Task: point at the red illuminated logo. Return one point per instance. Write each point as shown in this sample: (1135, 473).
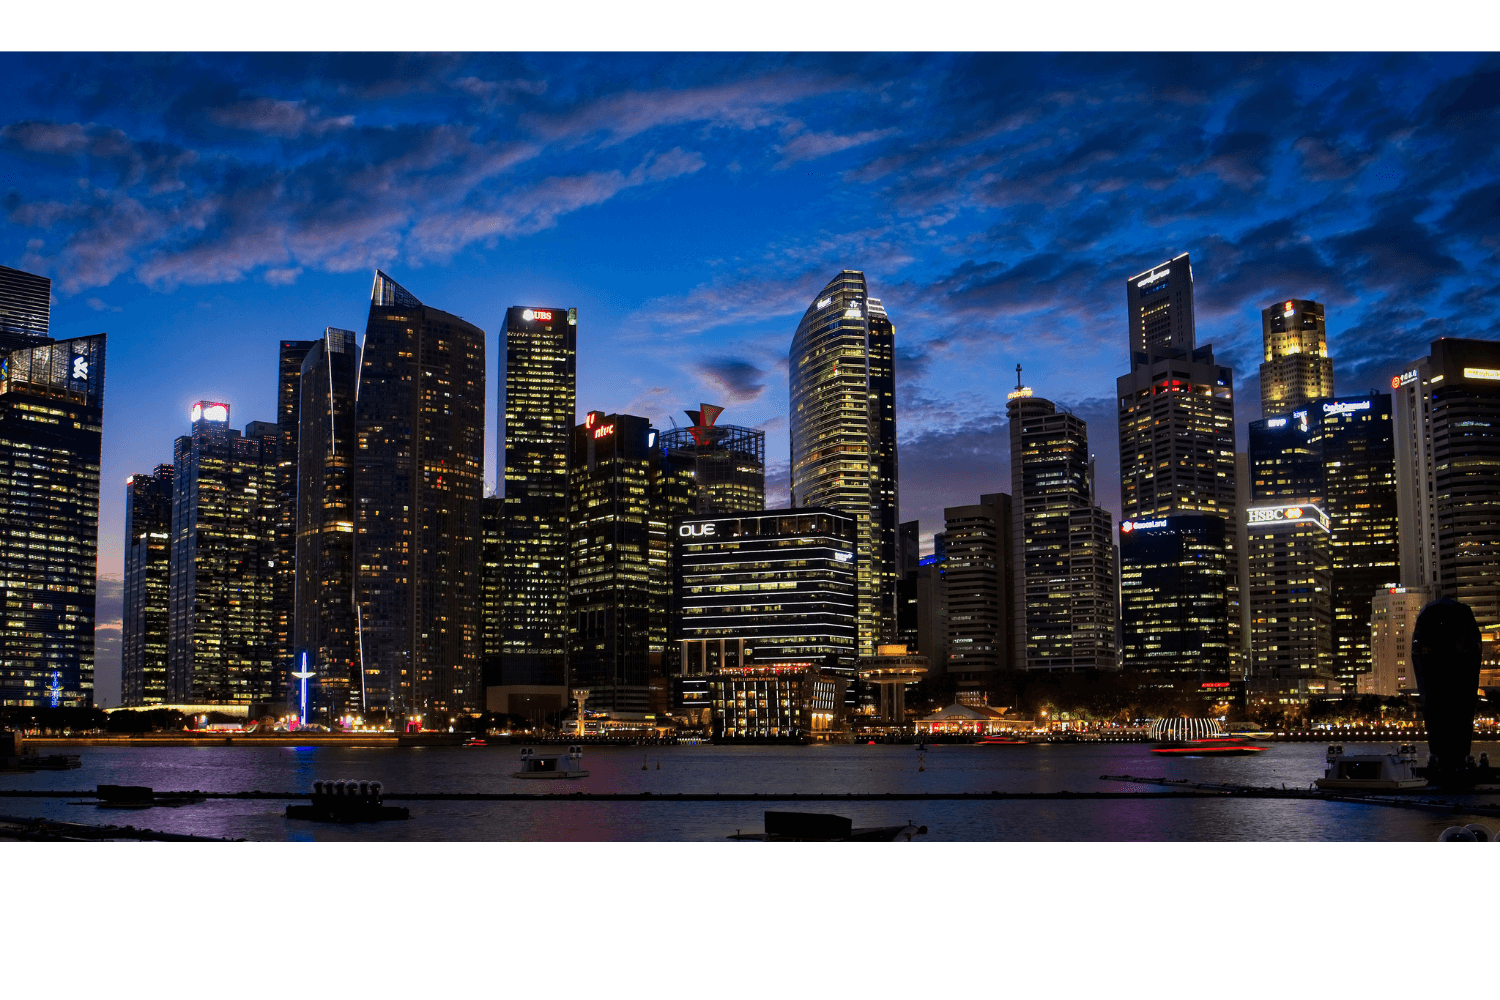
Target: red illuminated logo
(1395, 381)
(604, 431)
(588, 421)
(1293, 513)
(1288, 307)
(541, 315)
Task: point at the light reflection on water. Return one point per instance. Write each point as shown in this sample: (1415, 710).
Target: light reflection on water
(836, 769)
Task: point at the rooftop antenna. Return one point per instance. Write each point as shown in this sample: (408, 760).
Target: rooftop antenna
(1018, 376)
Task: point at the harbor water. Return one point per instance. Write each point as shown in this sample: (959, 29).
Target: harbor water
(710, 769)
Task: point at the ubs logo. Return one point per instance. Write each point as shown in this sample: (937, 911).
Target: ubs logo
(696, 530)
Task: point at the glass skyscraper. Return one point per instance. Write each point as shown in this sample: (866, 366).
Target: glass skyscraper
(25, 309)
(325, 623)
(51, 420)
(418, 485)
(148, 549)
(541, 365)
(220, 640)
(843, 434)
(1296, 369)
(726, 463)
(284, 572)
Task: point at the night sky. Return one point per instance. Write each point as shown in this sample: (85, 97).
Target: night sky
(201, 208)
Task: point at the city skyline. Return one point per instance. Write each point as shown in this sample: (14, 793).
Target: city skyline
(991, 244)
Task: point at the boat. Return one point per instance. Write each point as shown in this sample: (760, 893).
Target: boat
(1377, 772)
(551, 765)
(1209, 746)
(1001, 741)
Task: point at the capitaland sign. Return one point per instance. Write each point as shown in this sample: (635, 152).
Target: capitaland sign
(698, 530)
(1488, 374)
(1331, 408)
(1289, 514)
(1129, 526)
(1153, 276)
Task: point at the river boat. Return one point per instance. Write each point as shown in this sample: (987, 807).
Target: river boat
(1374, 772)
(551, 765)
(1209, 746)
(1001, 741)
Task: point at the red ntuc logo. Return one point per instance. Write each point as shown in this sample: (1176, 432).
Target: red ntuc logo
(604, 431)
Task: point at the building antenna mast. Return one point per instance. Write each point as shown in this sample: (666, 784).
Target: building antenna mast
(1018, 376)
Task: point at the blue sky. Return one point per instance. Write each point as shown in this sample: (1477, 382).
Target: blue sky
(201, 208)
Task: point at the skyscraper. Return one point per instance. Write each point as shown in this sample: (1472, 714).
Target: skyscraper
(1291, 585)
(727, 463)
(1448, 473)
(25, 309)
(979, 574)
(418, 483)
(148, 549)
(610, 568)
(1296, 369)
(1173, 578)
(540, 402)
(1063, 548)
(1176, 410)
(51, 419)
(219, 625)
(284, 572)
(491, 611)
(843, 433)
(325, 624)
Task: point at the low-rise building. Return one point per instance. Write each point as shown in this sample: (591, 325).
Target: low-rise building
(975, 720)
(777, 701)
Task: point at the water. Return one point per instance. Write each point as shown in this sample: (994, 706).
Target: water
(829, 769)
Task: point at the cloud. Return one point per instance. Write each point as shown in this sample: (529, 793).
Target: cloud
(493, 92)
(736, 378)
(284, 119)
(812, 145)
(282, 275)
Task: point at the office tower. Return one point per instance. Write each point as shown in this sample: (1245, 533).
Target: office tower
(1176, 409)
(932, 612)
(609, 571)
(540, 401)
(1393, 615)
(418, 482)
(492, 522)
(1160, 306)
(51, 418)
(284, 573)
(219, 621)
(1286, 461)
(1062, 547)
(25, 309)
(1296, 369)
(1448, 473)
(325, 628)
(768, 586)
(1291, 584)
(843, 433)
(1174, 574)
(148, 549)
(978, 573)
(908, 548)
(908, 561)
(1356, 442)
(727, 463)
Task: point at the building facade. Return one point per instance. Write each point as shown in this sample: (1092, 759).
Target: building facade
(774, 585)
(843, 433)
(148, 549)
(51, 421)
(1174, 573)
(220, 639)
(1063, 543)
(1448, 473)
(325, 622)
(1296, 369)
(25, 309)
(541, 365)
(291, 355)
(727, 463)
(979, 572)
(418, 483)
(1291, 610)
(776, 701)
(1393, 616)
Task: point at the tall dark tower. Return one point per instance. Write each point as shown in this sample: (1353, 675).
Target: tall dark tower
(1160, 305)
(284, 572)
(541, 350)
(1296, 369)
(843, 434)
(148, 526)
(325, 625)
(51, 419)
(418, 484)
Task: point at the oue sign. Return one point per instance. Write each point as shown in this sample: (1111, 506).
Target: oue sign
(696, 531)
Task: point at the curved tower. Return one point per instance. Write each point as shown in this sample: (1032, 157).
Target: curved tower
(843, 432)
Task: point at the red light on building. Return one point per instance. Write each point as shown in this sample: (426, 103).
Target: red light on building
(1395, 381)
(604, 431)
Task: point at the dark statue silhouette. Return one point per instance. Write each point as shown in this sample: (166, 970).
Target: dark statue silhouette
(1445, 656)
